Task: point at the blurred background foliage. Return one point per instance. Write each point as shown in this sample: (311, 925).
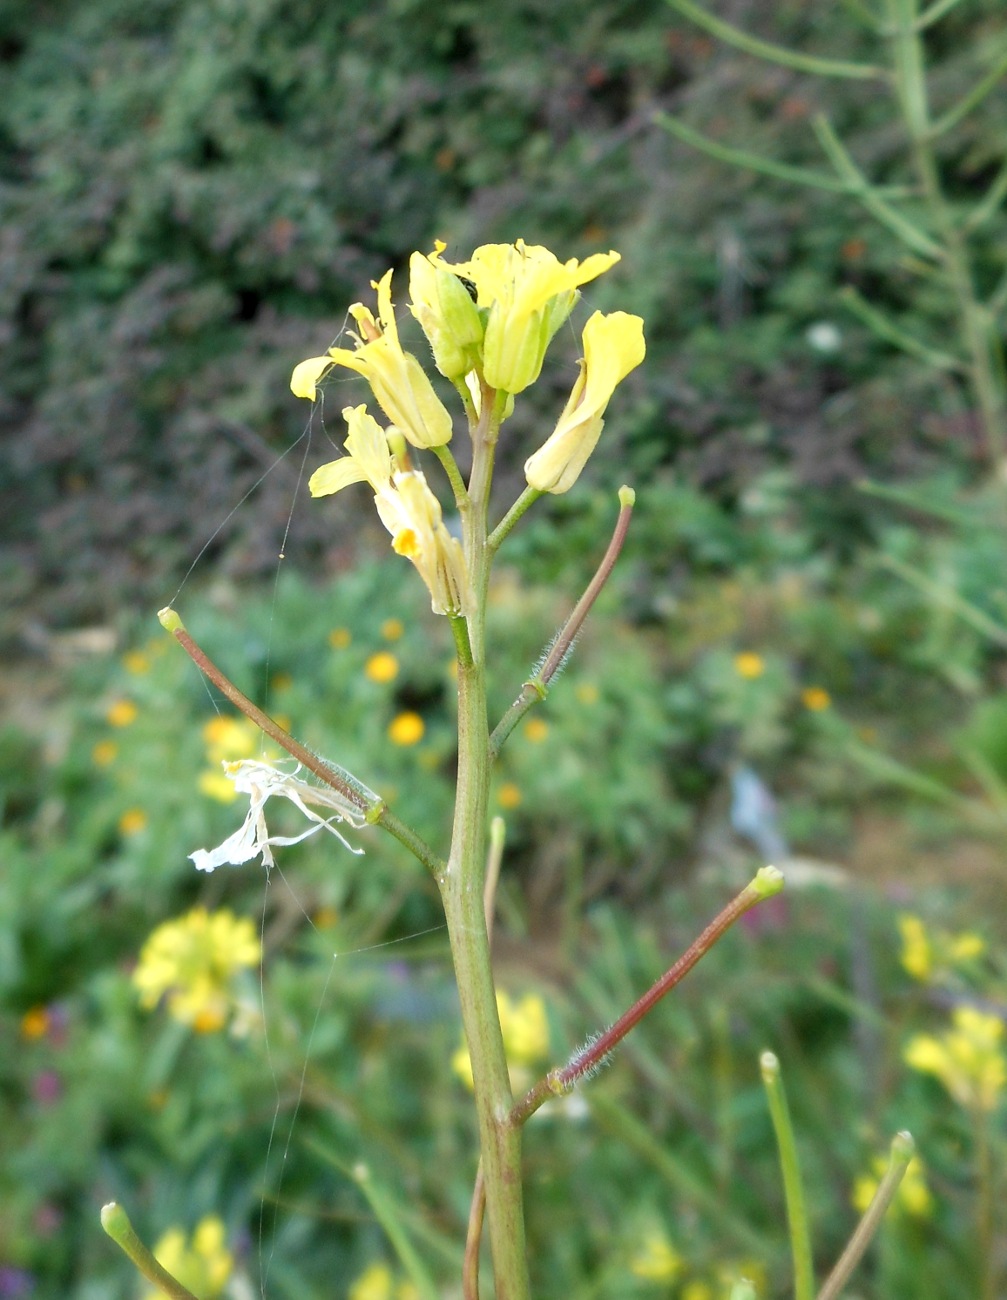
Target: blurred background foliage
(191, 194)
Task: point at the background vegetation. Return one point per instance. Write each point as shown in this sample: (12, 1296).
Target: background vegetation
(191, 195)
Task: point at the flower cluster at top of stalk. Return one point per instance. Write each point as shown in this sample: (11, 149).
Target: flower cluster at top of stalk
(489, 321)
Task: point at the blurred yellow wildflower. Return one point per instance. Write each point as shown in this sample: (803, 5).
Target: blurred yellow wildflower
(656, 1259)
(525, 1030)
(815, 699)
(587, 693)
(536, 730)
(122, 713)
(104, 753)
(509, 795)
(749, 665)
(381, 667)
(392, 629)
(406, 729)
(132, 821)
(930, 956)
(193, 962)
(406, 506)
(697, 1289)
(613, 346)
(340, 638)
(377, 1282)
(968, 1059)
(34, 1023)
(399, 383)
(913, 1197)
(136, 662)
(203, 1267)
(227, 737)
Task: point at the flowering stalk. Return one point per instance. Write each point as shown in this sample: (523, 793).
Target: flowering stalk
(586, 1061)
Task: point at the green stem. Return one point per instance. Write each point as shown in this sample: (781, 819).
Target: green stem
(115, 1221)
(793, 1188)
(527, 498)
(984, 1205)
(780, 54)
(902, 1152)
(462, 891)
(985, 358)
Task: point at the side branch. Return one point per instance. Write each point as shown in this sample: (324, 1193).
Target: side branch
(583, 1063)
(537, 687)
(374, 809)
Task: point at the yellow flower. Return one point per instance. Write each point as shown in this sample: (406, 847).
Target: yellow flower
(203, 1267)
(376, 1282)
(917, 957)
(509, 795)
(122, 713)
(912, 1198)
(217, 785)
(525, 1031)
(613, 346)
(228, 738)
(132, 821)
(815, 699)
(447, 315)
(400, 385)
(656, 1260)
(381, 667)
(193, 962)
(405, 505)
(136, 662)
(340, 638)
(931, 956)
(406, 729)
(968, 1059)
(587, 693)
(536, 730)
(697, 1289)
(104, 753)
(749, 665)
(527, 294)
(393, 629)
(34, 1023)
(525, 1028)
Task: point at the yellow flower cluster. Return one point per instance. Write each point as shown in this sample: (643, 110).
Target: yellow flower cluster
(525, 1030)
(968, 1058)
(202, 1266)
(931, 956)
(193, 962)
(489, 321)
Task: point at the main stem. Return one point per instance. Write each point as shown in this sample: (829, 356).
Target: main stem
(462, 894)
(984, 365)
